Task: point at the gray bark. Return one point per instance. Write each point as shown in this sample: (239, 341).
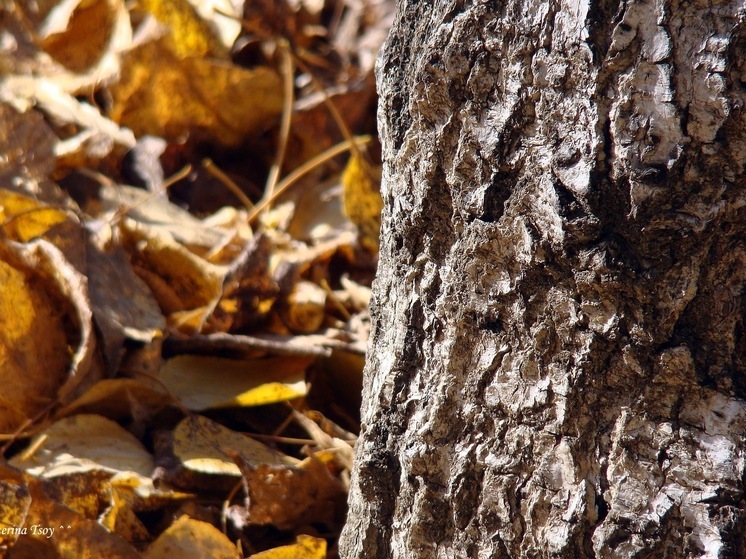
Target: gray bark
(557, 364)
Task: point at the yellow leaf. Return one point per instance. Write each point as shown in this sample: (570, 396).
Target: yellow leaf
(191, 35)
(192, 539)
(305, 308)
(306, 547)
(201, 444)
(163, 94)
(33, 346)
(212, 382)
(24, 218)
(179, 279)
(362, 199)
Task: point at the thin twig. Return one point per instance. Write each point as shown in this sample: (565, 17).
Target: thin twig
(298, 173)
(218, 173)
(287, 70)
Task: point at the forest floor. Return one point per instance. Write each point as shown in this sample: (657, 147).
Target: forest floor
(189, 215)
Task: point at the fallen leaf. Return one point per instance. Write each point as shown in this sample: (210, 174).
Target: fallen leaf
(191, 35)
(84, 443)
(34, 356)
(192, 539)
(179, 279)
(15, 501)
(77, 33)
(362, 199)
(163, 94)
(203, 383)
(43, 261)
(305, 547)
(304, 308)
(123, 306)
(120, 399)
(27, 145)
(292, 496)
(198, 454)
(51, 529)
(24, 218)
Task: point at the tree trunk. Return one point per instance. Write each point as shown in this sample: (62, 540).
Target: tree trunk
(557, 365)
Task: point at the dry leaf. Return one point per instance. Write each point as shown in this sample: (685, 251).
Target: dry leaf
(304, 308)
(211, 382)
(179, 279)
(362, 199)
(199, 454)
(153, 216)
(191, 35)
(76, 33)
(120, 399)
(84, 443)
(120, 518)
(192, 539)
(162, 94)
(41, 293)
(69, 287)
(288, 497)
(27, 145)
(123, 306)
(51, 529)
(15, 501)
(24, 219)
(306, 547)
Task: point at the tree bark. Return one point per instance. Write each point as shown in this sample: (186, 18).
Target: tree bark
(557, 364)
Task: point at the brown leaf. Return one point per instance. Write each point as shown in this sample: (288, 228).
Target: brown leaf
(288, 497)
(27, 143)
(123, 306)
(79, 36)
(51, 529)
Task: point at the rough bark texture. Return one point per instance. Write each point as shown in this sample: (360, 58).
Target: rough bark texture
(557, 365)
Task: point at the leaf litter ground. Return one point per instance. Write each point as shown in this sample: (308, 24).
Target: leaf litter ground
(189, 216)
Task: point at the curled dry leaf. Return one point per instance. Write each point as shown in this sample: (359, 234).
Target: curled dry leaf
(41, 293)
(123, 306)
(80, 35)
(305, 308)
(149, 216)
